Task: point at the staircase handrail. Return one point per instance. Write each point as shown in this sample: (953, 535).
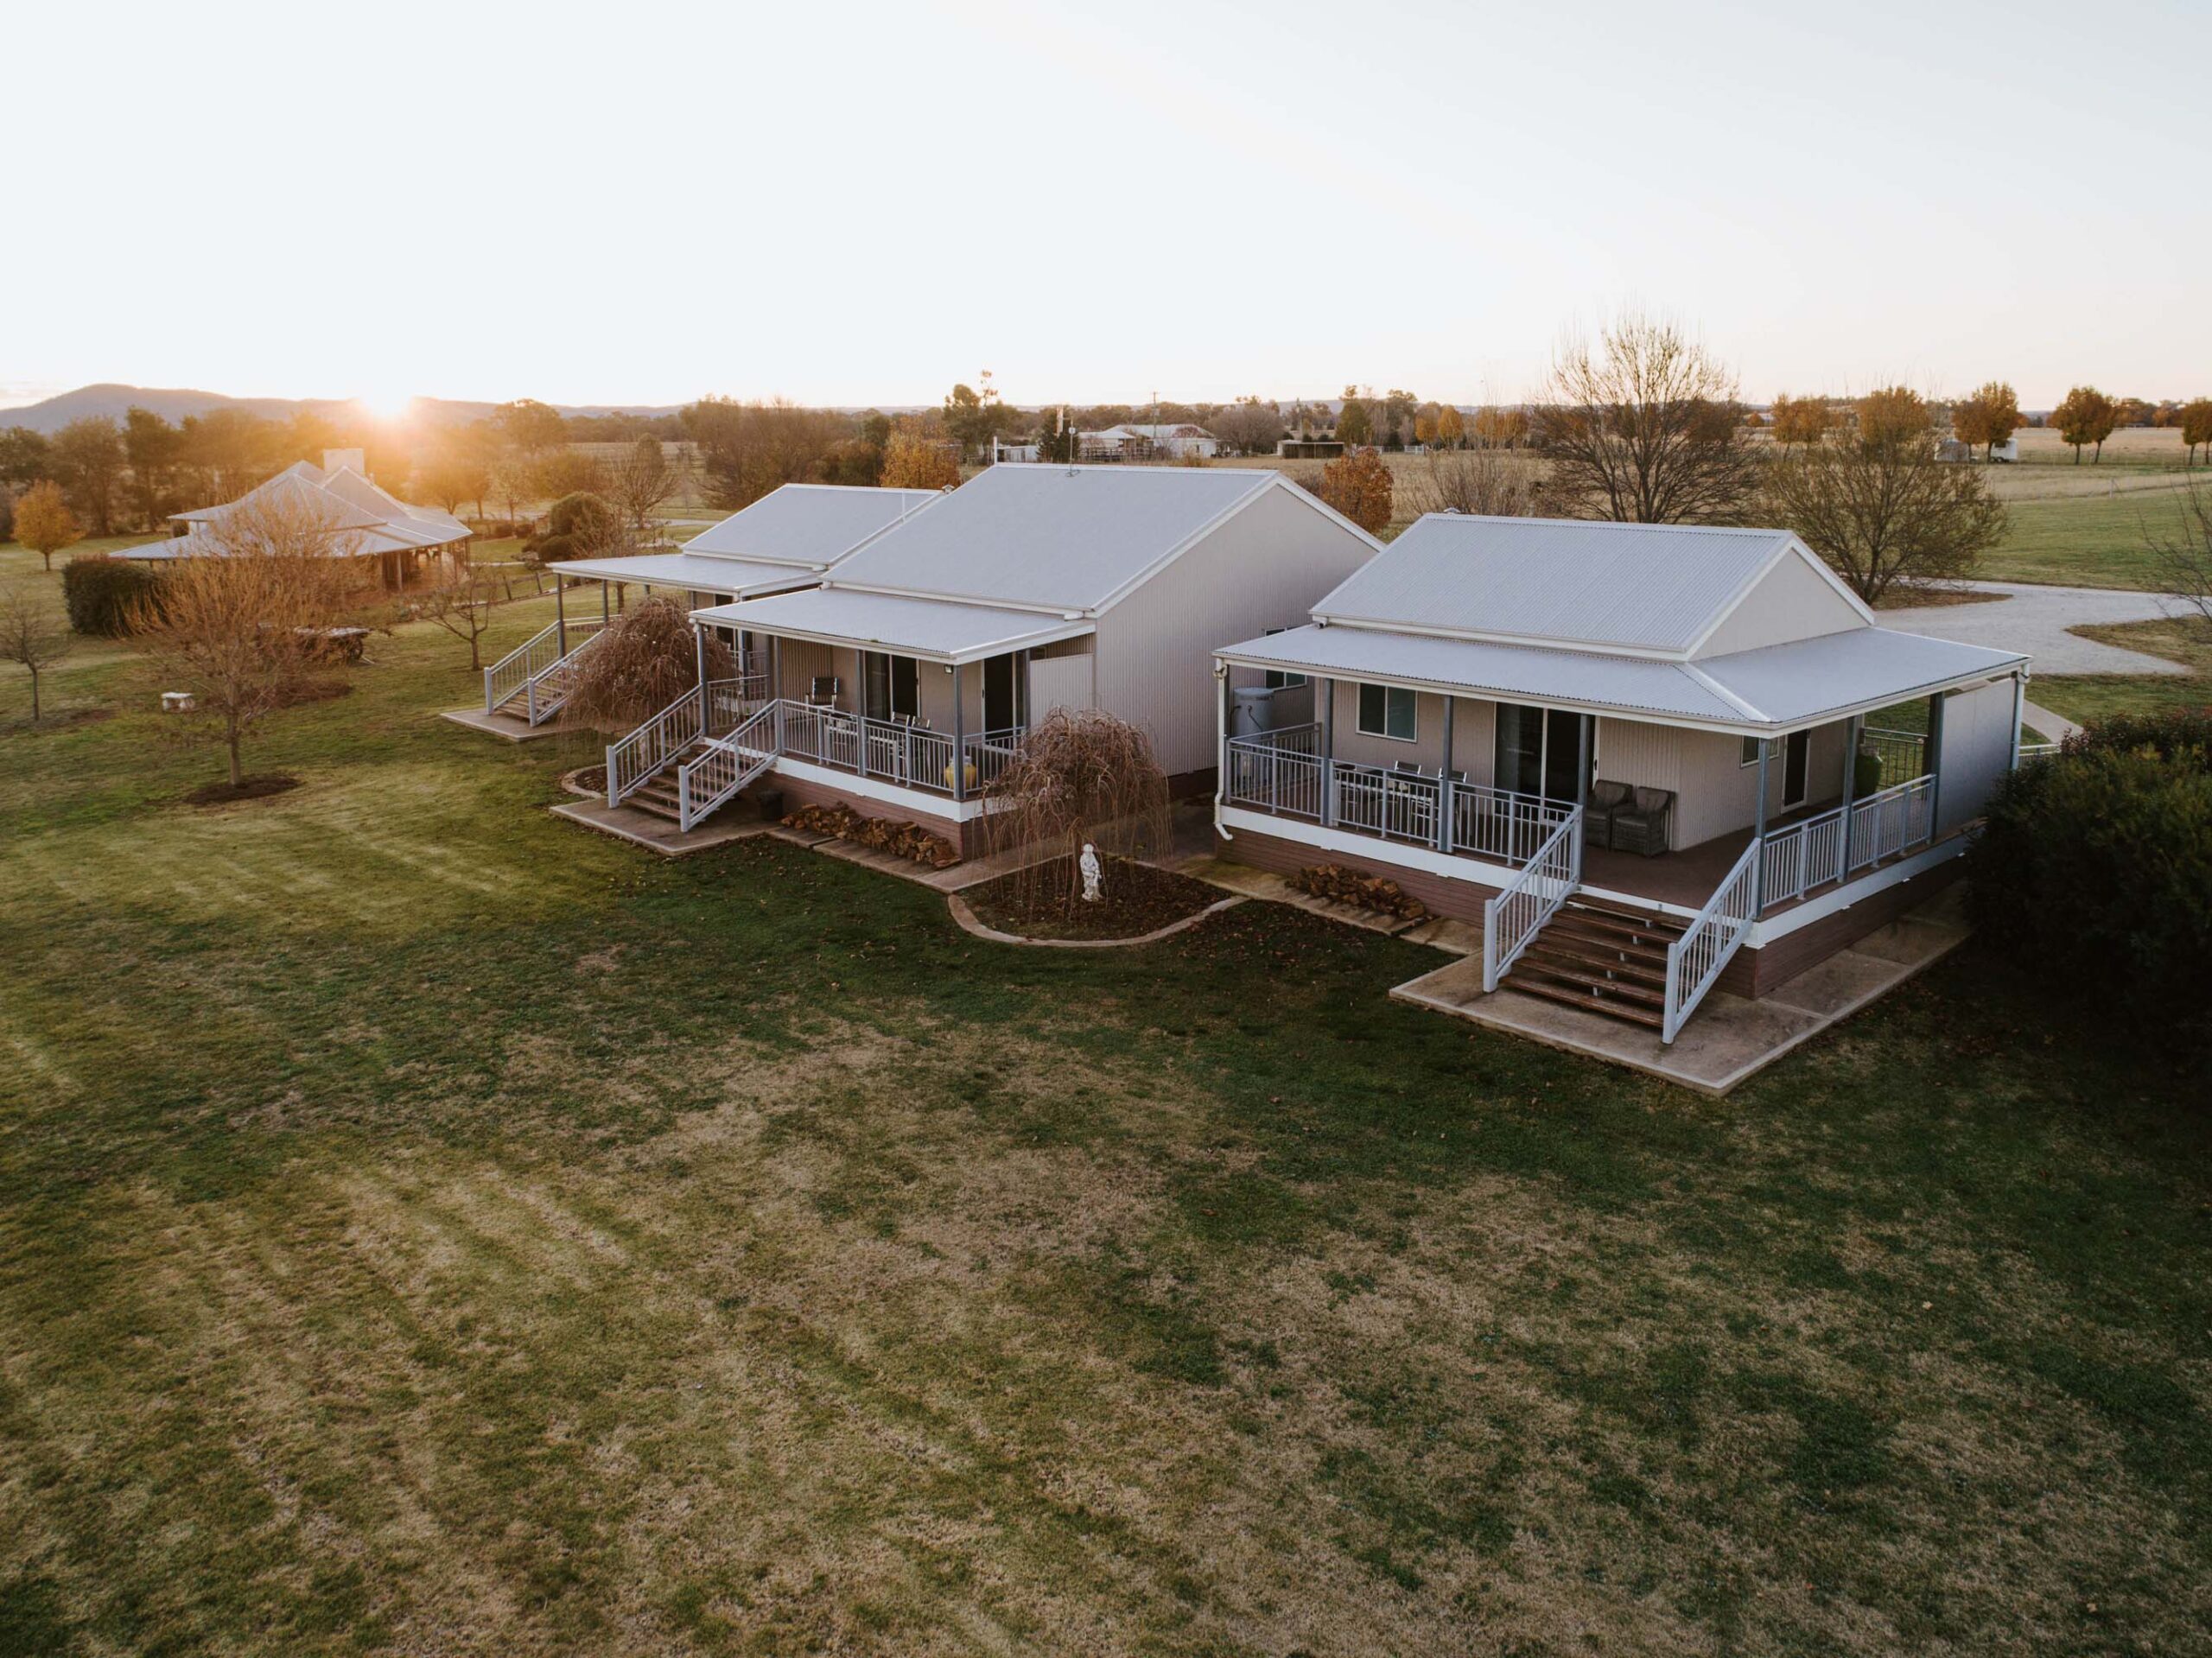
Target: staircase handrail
(1533, 897)
(1695, 960)
(726, 765)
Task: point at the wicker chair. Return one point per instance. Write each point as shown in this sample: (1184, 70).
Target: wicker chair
(1641, 825)
(1607, 797)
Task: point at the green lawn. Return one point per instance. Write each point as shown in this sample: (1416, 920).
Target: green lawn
(2089, 696)
(2096, 541)
(426, 1226)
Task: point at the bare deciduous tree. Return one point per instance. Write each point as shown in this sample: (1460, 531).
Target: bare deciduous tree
(2182, 553)
(1249, 426)
(1077, 776)
(1876, 501)
(642, 481)
(461, 603)
(244, 627)
(1646, 429)
(33, 634)
(1484, 483)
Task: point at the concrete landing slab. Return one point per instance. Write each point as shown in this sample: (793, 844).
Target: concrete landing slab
(656, 833)
(1729, 1039)
(1460, 937)
(502, 725)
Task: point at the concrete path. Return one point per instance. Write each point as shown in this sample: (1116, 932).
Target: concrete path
(2035, 619)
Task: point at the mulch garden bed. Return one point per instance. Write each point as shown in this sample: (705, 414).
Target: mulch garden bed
(253, 788)
(589, 780)
(1135, 899)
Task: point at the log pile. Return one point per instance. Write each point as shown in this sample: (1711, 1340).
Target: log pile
(1356, 887)
(892, 835)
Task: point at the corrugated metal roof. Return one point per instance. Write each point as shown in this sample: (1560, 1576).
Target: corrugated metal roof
(342, 499)
(732, 576)
(882, 621)
(1778, 686)
(1067, 537)
(1632, 586)
(808, 524)
(1793, 682)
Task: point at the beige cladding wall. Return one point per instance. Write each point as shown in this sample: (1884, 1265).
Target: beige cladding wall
(1792, 600)
(1266, 566)
(1474, 725)
(1715, 793)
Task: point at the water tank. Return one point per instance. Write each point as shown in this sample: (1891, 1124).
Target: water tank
(1252, 711)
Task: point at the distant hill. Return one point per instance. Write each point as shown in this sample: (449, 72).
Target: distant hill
(55, 412)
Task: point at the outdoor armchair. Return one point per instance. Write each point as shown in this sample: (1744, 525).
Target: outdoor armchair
(1605, 798)
(1641, 825)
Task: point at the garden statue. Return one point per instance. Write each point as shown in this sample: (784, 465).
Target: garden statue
(1089, 865)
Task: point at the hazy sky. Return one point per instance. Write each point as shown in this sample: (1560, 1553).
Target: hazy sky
(856, 203)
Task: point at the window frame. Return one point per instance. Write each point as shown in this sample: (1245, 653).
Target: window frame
(1412, 706)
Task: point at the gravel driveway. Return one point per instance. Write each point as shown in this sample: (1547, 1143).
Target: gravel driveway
(2034, 618)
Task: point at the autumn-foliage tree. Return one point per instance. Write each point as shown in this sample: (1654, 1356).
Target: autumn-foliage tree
(1876, 501)
(244, 628)
(2086, 415)
(913, 461)
(1987, 418)
(1800, 420)
(1645, 428)
(1359, 486)
(1501, 426)
(2194, 419)
(44, 522)
(1355, 420)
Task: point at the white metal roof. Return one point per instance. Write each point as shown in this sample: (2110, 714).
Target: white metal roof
(378, 521)
(687, 570)
(932, 628)
(1775, 688)
(1657, 588)
(809, 524)
(1056, 537)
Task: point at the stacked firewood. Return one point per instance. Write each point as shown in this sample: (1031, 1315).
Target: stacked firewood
(891, 835)
(1355, 886)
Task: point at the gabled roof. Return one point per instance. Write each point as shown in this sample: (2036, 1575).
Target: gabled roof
(813, 525)
(932, 628)
(1635, 588)
(341, 498)
(1051, 537)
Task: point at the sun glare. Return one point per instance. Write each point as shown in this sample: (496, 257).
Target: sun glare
(387, 405)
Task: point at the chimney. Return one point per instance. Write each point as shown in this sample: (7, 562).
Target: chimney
(356, 458)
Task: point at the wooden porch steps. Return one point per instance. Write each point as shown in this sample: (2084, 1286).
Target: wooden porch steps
(1603, 956)
(656, 794)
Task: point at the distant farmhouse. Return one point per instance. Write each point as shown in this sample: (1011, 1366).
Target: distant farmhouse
(369, 522)
(1125, 444)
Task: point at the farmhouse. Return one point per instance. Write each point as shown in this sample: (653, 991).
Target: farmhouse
(786, 539)
(900, 684)
(1646, 758)
(366, 521)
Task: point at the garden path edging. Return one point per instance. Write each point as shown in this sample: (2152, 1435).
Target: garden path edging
(964, 913)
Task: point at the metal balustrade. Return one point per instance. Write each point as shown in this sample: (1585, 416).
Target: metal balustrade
(911, 756)
(724, 767)
(1695, 960)
(692, 717)
(1806, 856)
(1903, 754)
(1279, 770)
(1533, 897)
(514, 674)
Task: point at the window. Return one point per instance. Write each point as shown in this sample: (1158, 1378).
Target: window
(891, 686)
(1388, 711)
(1751, 756)
(1278, 679)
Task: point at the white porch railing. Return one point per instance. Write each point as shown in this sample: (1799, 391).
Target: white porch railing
(691, 718)
(1531, 898)
(1694, 960)
(1821, 849)
(2039, 751)
(1502, 824)
(726, 766)
(546, 692)
(911, 756)
(1280, 770)
(512, 675)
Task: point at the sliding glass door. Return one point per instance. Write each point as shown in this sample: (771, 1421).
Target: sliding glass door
(1538, 750)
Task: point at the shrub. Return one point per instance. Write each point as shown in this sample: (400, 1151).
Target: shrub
(552, 549)
(7, 516)
(585, 519)
(101, 592)
(2098, 862)
(2168, 733)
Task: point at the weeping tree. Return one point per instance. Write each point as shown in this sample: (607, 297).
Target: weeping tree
(647, 658)
(1078, 776)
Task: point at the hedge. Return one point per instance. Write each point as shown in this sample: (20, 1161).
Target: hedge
(101, 592)
(2097, 864)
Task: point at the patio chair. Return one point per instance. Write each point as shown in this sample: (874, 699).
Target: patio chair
(1607, 797)
(823, 690)
(1641, 825)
